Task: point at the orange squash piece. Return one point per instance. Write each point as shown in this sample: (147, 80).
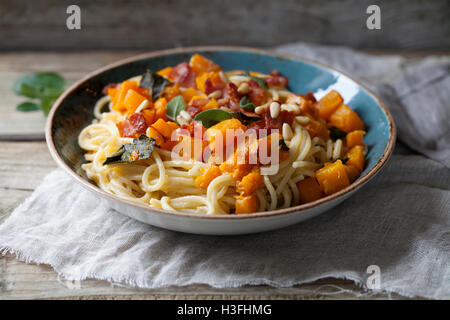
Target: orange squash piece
(188, 94)
(317, 128)
(165, 128)
(329, 103)
(212, 104)
(149, 116)
(332, 177)
(246, 204)
(356, 158)
(220, 129)
(352, 172)
(132, 100)
(165, 72)
(355, 138)
(200, 64)
(171, 92)
(304, 105)
(235, 169)
(250, 183)
(123, 90)
(213, 76)
(209, 175)
(160, 108)
(309, 190)
(152, 133)
(346, 119)
(113, 94)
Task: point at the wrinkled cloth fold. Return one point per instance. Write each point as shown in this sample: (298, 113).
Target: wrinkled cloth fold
(399, 222)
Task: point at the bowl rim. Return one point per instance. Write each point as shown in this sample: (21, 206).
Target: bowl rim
(265, 214)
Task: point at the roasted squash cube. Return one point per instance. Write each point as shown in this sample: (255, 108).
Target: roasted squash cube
(246, 204)
(355, 138)
(346, 119)
(200, 64)
(332, 177)
(329, 103)
(209, 175)
(356, 158)
(309, 190)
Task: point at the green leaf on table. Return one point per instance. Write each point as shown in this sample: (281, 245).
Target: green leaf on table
(46, 104)
(154, 83)
(174, 107)
(139, 149)
(27, 106)
(40, 85)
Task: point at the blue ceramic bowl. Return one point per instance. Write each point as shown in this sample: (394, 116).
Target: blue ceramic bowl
(74, 110)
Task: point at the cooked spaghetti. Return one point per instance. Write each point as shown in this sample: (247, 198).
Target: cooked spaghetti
(133, 147)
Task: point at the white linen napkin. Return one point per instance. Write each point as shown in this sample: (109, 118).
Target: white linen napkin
(399, 223)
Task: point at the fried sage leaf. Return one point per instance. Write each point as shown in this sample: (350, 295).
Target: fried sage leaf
(140, 149)
(153, 82)
(336, 133)
(283, 145)
(245, 119)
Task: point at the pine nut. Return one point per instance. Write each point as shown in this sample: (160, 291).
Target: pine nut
(215, 95)
(182, 121)
(142, 106)
(287, 131)
(243, 88)
(302, 119)
(185, 115)
(260, 109)
(290, 108)
(274, 109)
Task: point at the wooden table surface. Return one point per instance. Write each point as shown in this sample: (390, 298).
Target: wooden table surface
(22, 135)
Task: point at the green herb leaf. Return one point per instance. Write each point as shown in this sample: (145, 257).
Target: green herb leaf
(140, 149)
(40, 85)
(283, 145)
(246, 104)
(336, 133)
(153, 82)
(174, 107)
(262, 83)
(46, 104)
(208, 118)
(27, 106)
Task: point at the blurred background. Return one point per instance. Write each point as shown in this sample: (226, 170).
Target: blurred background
(155, 24)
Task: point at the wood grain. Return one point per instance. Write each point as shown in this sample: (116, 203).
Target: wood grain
(153, 24)
(23, 165)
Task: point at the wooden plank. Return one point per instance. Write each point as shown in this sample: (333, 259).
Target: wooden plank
(153, 24)
(19, 280)
(15, 125)
(29, 281)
